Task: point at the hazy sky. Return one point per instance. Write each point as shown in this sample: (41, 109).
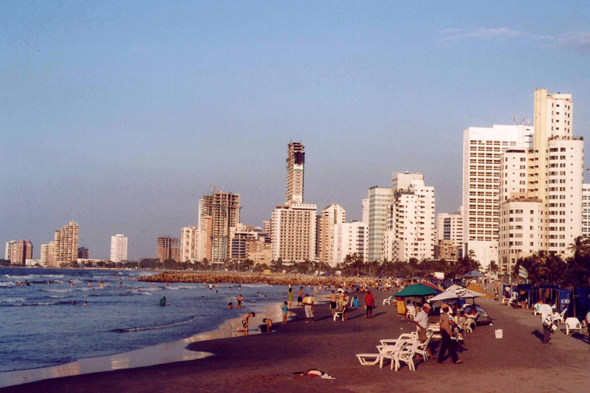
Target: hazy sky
(120, 115)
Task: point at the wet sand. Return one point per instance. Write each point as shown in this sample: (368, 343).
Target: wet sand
(258, 363)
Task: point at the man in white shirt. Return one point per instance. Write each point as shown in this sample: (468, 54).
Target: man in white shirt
(421, 322)
(546, 313)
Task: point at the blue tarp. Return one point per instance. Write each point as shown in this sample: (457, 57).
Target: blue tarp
(582, 301)
(564, 300)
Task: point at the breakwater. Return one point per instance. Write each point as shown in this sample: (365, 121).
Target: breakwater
(254, 278)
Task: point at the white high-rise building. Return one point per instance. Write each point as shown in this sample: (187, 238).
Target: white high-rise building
(189, 243)
(482, 148)
(379, 200)
(365, 206)
(586, 210)
(410, 224)
(329, 217)
(450, 227)
(350, 238)
(118, 248)
(294, 232)
(544, 182)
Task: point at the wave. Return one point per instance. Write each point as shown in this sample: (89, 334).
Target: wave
(12, 300)
(57, 290)
(7, 284)
(31, 276)
(133, 292)
(32, 304)
(166, 326)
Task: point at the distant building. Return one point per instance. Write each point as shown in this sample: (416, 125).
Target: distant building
(189, 244)
(350, 238)
(65, 248)
(450, 227)
(294, 232)
(586, 210)
(240, 236)
(118, 248)
(447, 250)
(379, 200)
(259, 251)
(295, 173)
(168, 248)
(48, 255)
(83, 253)
(329, 217)
(224, 210)
(17, 251)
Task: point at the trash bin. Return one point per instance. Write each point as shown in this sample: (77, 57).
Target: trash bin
(499, 333)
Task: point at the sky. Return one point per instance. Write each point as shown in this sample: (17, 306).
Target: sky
(121, 115)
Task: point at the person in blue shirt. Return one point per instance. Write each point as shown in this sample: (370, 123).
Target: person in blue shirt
(285, 309)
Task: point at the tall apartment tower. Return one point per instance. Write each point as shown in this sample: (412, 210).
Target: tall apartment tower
(450, 227)
(294, 224)
(65, 248)
(83, 253)
(189, 243)
(168, 248)
(482, 150)
(295, 173)
(329, 217)
(17, 251)
(379, 200)
(541, 190)
(586, 210)
(224, 210)
(410, 225)
(47, 255)
(118, 248)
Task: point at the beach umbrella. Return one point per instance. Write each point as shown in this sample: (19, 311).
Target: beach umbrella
(474, 274)
(450, 294)
(417, 290)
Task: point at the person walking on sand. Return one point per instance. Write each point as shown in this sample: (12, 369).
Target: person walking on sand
(446, 332)
(300, 297)
(290, 297)
(345, 300)
(546, 319)
(369, 304)
(308, 305)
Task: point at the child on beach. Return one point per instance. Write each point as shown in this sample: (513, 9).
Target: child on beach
(245, 322)
(285, 309)
(290, 297)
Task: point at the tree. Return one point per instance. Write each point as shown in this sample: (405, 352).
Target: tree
(246, 265)
(169, 264)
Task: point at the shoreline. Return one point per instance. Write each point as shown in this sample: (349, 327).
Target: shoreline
(153, 355)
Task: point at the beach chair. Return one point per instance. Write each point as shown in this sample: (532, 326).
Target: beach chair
(338, 314)
(536, 309)
(559, 317)
(435, 328)
(572, 324)
(387, 301)
(403, 337)
(422, 348)
(368, 359)
(405, 355)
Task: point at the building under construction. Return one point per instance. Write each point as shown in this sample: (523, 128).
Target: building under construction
(224, 210)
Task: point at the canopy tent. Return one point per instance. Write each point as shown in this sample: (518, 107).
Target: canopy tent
(455, 286)
(417, 290)
(430, 285)
(474, 274)
(460, 293)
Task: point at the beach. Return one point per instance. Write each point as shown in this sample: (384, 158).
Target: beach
(518, 362)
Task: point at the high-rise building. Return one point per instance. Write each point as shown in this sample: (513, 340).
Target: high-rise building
(329, 217)
(482, 148)
(240, 236)
(541, 188)
(205, 235)
(83, 253)
(295, 173)
(450, 227)
(118, 248)
(586, 210)
(65, 248)
(379, 200)
(294, 232)
(410, 225)
(189, 244)
(224, 210)
(365, 208)
(350, 238)
(17, 251)
(168, 248)
(47, 255)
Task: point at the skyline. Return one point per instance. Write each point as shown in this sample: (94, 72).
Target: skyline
(116, 117)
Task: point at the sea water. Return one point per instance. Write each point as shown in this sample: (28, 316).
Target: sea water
(39, 326)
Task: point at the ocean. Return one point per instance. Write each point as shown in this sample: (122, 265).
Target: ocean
(40, 327)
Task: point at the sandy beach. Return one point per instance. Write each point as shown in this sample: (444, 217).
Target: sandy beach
(519, 362)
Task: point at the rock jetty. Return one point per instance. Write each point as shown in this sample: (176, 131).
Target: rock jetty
(254, 278)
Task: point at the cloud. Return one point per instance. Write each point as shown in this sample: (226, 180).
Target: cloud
(578, 40)
(453, 34)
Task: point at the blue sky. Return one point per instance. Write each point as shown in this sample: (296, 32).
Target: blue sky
(121, 115)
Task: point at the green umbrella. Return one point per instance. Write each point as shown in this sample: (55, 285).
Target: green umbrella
(417, 290)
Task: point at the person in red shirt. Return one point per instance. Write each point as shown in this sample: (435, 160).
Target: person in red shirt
(369, 304)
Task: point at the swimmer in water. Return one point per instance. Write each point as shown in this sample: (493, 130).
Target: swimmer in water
(74, 303)
(89, 284)
(153, 285)
(230, 305)
(202, 297)
(85, 304)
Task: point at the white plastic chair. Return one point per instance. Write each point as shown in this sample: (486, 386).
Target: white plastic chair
(405, 355)
(403, 337)
(572, 324)
(559, 317)
(338, 314)
(423, 347)
(368, 359)
(387, 301)
(536, 309)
